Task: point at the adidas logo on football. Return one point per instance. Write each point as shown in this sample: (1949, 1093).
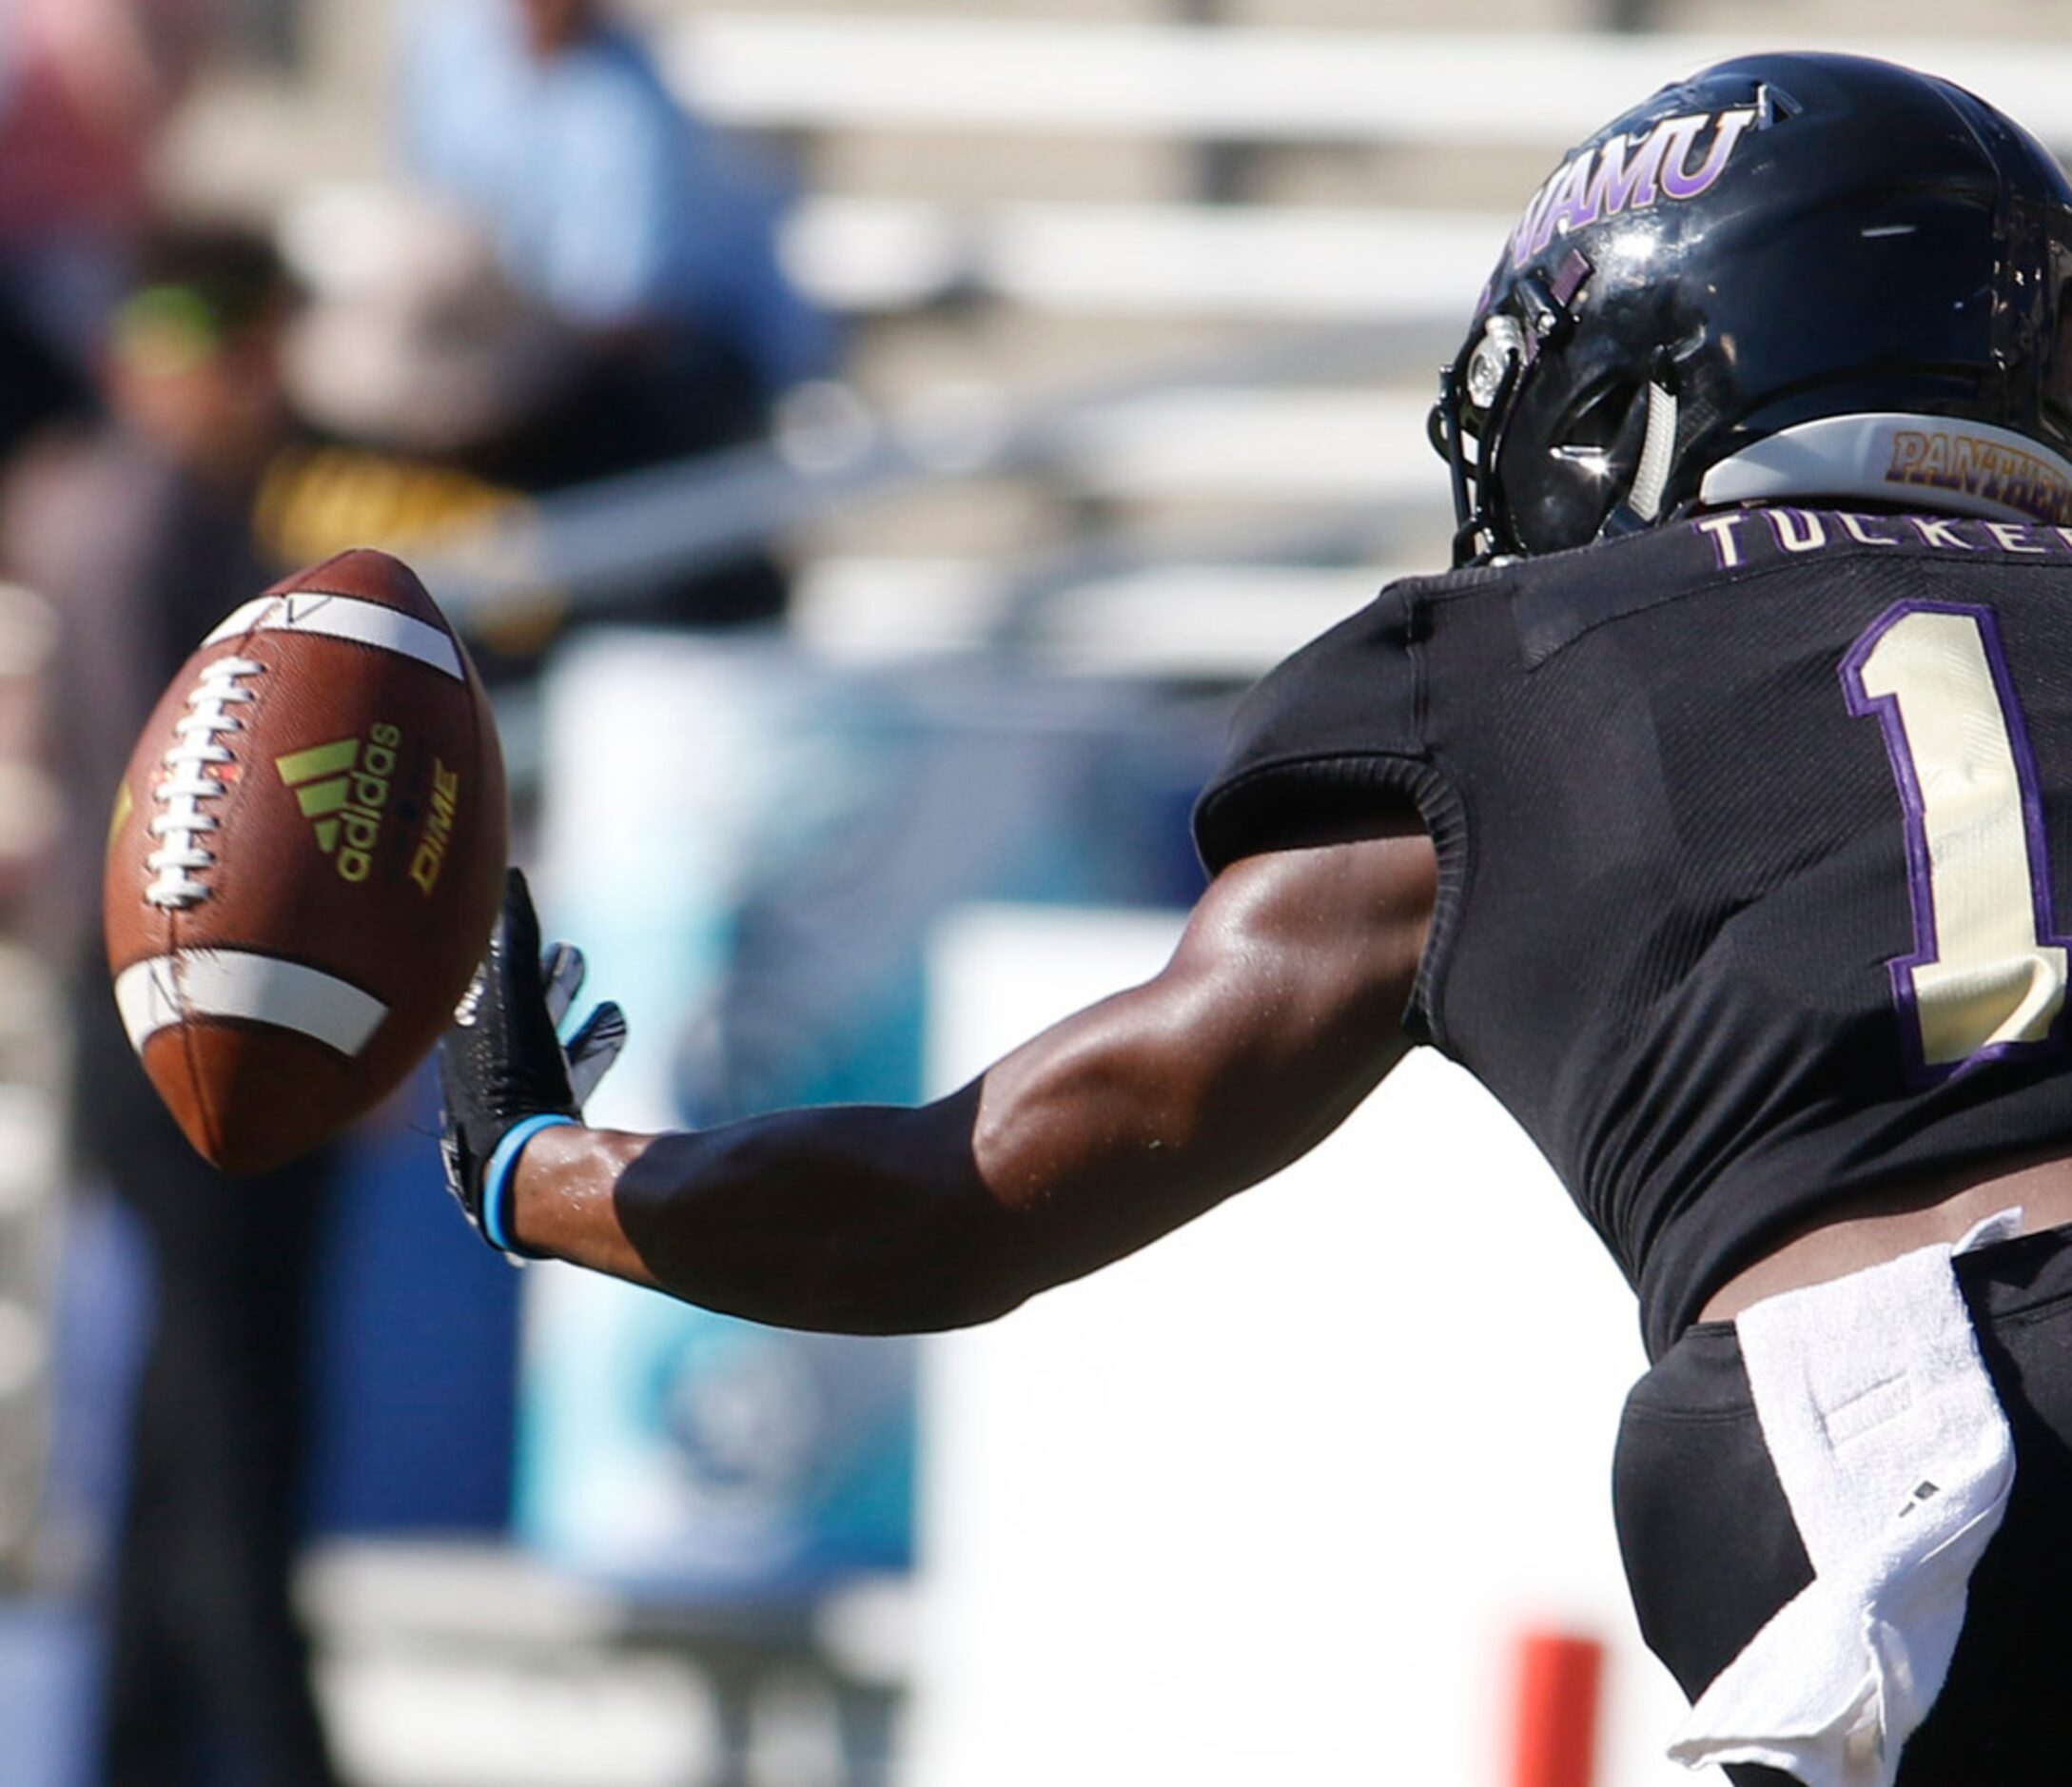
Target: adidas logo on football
(343, 788)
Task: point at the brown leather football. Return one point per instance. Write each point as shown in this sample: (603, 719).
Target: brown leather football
(307, 856)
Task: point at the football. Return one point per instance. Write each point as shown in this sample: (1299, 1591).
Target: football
(304, 861)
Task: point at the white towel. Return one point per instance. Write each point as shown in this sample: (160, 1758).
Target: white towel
(1896, 1461)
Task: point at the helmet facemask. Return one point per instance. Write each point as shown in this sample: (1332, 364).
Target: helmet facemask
(1480, 393)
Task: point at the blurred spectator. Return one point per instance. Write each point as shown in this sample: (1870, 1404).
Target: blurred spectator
(650, 238)
(438, 391)
(85, 86)
(38, 385)
(138, 530)
(413, 337)
(630, 219)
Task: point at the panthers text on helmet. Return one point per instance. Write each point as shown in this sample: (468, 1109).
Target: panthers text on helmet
(1950, 459)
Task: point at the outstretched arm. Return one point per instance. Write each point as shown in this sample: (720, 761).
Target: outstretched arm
(1280, 1011)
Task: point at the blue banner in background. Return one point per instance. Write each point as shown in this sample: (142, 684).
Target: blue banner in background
(752, 851)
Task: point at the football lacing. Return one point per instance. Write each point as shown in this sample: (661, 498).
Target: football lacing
(181, 854)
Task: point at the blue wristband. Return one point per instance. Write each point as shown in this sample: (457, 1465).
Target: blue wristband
(497, 1177)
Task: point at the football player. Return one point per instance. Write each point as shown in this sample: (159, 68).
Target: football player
(1710, 811)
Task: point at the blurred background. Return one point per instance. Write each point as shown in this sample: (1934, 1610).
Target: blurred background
(868, 444)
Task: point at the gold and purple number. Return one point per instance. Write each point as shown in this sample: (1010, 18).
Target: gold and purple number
(1988, 975)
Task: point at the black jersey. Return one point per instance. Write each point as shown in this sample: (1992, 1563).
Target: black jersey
(1748, 830)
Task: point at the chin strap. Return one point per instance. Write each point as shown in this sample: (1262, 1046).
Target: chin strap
(1658, 454)
(1641, 506)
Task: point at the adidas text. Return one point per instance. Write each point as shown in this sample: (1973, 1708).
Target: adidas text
(343, 788)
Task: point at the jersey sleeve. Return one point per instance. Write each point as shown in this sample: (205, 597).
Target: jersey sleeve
(1330, 738)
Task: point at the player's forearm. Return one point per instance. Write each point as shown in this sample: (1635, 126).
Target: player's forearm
(854, 1219)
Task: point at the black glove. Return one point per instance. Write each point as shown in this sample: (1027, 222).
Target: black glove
(505, 1073)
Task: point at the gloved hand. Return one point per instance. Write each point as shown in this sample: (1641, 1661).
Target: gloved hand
(505, 1073)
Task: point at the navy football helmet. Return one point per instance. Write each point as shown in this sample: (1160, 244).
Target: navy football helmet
(1790, 276)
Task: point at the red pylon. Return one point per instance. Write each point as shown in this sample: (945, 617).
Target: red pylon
(1554, 1730)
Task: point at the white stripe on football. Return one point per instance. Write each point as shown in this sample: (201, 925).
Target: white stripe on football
(240, 985)
(342, 617)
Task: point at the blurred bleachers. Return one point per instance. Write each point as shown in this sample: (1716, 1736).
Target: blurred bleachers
(1099, 210)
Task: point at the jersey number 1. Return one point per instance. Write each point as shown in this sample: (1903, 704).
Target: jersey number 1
(1986, 974)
